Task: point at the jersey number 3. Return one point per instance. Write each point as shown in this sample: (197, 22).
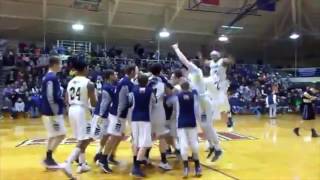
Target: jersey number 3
(75, 93)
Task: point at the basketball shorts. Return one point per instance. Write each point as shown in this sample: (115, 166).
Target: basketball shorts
(172, 126)
(158, 123)
(99, 127)
(54, 125)
(141, 134)
(116, 126)
(224, 106)
(80, 125)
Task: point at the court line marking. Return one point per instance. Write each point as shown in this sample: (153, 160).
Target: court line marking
(219, 171)
(22, 142)
(211, 168)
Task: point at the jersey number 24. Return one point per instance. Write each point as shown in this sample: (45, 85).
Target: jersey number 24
(75, 93)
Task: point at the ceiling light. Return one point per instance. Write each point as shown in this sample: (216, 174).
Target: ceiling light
(294, 36)
(223, 38)
(77, 27)
(164, 33)
(232, 27)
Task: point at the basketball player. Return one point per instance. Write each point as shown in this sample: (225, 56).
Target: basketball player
(119, 110)
(52, 111)
(80, 92)
(198, 83)
(100, 119)
(176, 80)
(307, 111)
(158, 119)
(187, 106)
(142, 98)
(271, 103)
(218, 71)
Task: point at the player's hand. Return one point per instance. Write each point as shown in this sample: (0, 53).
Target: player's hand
(175, 46)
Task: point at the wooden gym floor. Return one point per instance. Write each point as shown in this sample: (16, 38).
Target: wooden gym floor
(256, 150)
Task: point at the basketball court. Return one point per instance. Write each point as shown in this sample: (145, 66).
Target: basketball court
(255, 150)
(115, 33)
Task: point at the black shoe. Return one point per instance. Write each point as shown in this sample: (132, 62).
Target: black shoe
(211, 150)
(147, 162)
(216, 156)
(230, 123)
(112, 161)
(97, 157)
(314, 133)
(50, 163)
(105, 167)
(168, 151)
(296, 131)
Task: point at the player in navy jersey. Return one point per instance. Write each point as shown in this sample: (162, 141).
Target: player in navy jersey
(52, 110)
(100, 119)
(142, 98)
(187, 107)
(118, 111)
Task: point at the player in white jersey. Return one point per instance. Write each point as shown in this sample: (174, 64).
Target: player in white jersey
(80, 92)
(198, 84)
(218, 72)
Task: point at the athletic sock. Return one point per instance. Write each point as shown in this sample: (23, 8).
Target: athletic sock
(82, 159)
(163, 158)
(74, 155)
(185, 164)
(49, 154)
(135, 162)
(196, 163)
(147, 153)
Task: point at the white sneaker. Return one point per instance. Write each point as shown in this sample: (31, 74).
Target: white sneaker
(165, 166)
(83, 168)
(66, 168)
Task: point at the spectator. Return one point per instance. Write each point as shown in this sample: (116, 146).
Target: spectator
(7, 106)
(19, 107)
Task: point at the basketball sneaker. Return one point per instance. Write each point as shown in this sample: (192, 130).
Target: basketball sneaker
(50, 163)
(217, 154)
(66, 168)
(147, 162)
(112, 161)
(296, 131)
(185, 172)
(197, 171)
(137, 172)
(165, 166)
(83, 168)
(211, 150)
(103, 164)
(230, 123)
(314, 133)
(97, 157)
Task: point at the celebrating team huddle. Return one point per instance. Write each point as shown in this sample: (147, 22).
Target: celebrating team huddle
(147, 103)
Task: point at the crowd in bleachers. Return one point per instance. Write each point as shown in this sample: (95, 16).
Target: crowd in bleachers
(250, 84)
